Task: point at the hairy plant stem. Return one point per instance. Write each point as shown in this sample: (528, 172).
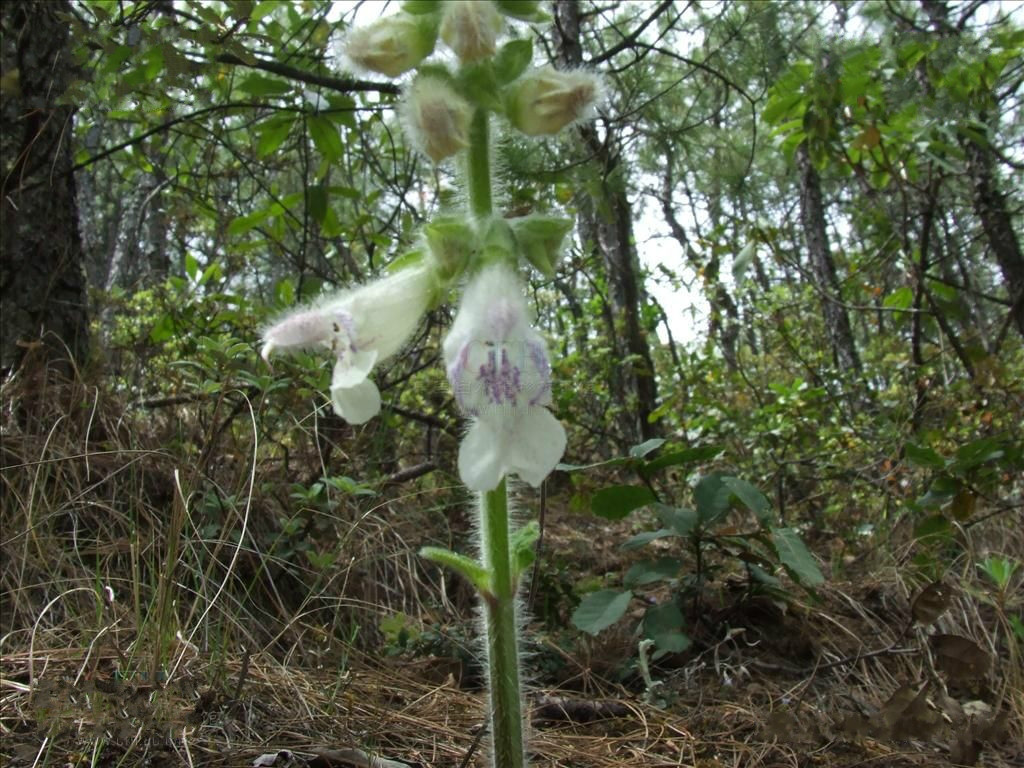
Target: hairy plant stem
(507, 748)
(502, 638)
(479, 170)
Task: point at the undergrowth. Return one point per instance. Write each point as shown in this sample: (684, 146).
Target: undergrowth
(193, 576)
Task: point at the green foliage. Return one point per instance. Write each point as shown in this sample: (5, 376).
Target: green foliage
(710, 532)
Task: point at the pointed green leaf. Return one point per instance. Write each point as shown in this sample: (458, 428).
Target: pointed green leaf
(646, 447)
(513, 59)
(687, 456)
(923, 457)
(680, 519)
(794, 555)
(751, 498)
(599, 610)
(901, 298)
(260, 85)
(712, 498)
(642, 539)
(522, 547)
(316, 201)
(273, 133)
(650, 571)
(325, 137)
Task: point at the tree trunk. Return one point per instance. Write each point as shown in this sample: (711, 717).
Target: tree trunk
(812, 215)
(990, 207)
(724, 317)
(607, 223)
(989, 201)
(42, 282)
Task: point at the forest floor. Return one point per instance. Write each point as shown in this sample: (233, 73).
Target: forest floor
(760, 695)
(857, 674)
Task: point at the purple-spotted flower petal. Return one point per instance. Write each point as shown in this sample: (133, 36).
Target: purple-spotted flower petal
(360, 328)
(499, 371)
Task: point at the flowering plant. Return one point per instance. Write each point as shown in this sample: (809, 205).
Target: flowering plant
(497, 362)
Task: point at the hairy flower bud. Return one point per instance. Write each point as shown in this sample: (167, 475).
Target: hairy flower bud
(546, 100)
(471, 27)
(436, 118)
(392, 45)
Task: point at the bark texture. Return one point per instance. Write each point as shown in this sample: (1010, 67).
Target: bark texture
(812, 217)
(991, 208)
(42, 282)
(606, 222)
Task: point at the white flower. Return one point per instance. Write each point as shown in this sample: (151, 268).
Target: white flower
(499, 370)
(361, 328)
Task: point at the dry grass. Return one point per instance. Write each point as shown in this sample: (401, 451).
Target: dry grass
(154, 611)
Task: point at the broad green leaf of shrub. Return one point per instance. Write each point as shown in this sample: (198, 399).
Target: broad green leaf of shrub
(923, 457)
(599, 610)
(650, 571)
(934, 526)
(617, 501)
(325, 137)
(645, 538)
(751, 498)
(260, 85)
(273, 132)
(941, 491)
(793, 554)
(899, 299)
(687, 456)
(977, 453)
(663, 624)
(679, 519)
(712, 498)
(646, 447)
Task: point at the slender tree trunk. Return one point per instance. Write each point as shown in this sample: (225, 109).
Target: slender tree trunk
(724, 319)
(990, 204)
(991, 208)
(812, 215)
(607, 222)
(42, 281)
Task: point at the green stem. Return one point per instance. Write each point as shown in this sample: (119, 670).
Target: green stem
(479, 171)
(502, 639)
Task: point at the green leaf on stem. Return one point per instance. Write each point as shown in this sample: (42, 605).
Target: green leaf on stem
(512, 60)
(325, 137)
(466, 567)
(794, 555)
(751, 498)
(617, 501)
(599, 610)
(522, 549)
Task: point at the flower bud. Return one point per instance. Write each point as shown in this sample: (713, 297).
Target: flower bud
(452, 241)
(436, 118)
(393, 45)
(471, 27)
(540, 240)
(544, 101)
